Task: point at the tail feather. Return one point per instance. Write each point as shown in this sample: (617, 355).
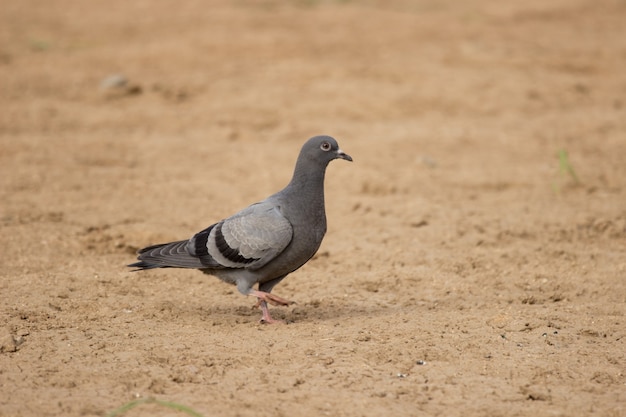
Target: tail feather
(141, 265)
(167, 255)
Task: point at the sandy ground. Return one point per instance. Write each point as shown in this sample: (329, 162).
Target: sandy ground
(465, 271)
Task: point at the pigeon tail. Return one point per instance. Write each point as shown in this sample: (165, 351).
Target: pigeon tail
(167, 255)
(141, 266)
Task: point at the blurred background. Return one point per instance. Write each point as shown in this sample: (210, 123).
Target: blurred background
(481, 227)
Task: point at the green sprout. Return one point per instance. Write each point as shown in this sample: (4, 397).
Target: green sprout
(150, 400)
(566, 169)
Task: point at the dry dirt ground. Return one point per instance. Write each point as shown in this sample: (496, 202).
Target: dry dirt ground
(466, 270)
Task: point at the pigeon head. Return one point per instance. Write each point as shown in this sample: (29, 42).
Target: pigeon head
(311, 165)
(323, 149)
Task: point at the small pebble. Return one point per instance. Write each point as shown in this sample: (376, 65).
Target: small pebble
(113, 81)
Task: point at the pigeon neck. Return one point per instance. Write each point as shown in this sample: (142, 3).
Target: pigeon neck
(308, 182)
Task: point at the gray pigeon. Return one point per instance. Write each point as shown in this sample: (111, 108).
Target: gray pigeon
(264, 242)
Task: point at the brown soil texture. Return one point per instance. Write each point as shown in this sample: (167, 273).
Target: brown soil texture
(475, 260)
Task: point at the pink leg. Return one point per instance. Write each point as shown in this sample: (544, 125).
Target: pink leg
(264, 298)
(270, 298)
(266, 318)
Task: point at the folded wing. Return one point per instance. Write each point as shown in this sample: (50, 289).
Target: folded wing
(249, 239)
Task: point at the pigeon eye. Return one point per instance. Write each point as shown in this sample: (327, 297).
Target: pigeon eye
(325, 146)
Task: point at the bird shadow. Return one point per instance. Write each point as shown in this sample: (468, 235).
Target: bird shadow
(313, 310)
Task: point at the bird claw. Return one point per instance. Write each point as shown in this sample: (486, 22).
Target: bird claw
(269, 320)
(263, 299)
(271, 298)
(266, 318)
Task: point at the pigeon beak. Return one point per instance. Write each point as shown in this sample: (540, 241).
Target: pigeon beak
(341, 154)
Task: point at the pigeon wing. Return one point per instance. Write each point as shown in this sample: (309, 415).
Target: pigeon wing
(249, 239)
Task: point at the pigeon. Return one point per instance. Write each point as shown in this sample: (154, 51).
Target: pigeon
(264, 242)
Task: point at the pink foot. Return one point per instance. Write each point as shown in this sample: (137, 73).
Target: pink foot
(264, 298)
(266, 318)
(271, 298)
